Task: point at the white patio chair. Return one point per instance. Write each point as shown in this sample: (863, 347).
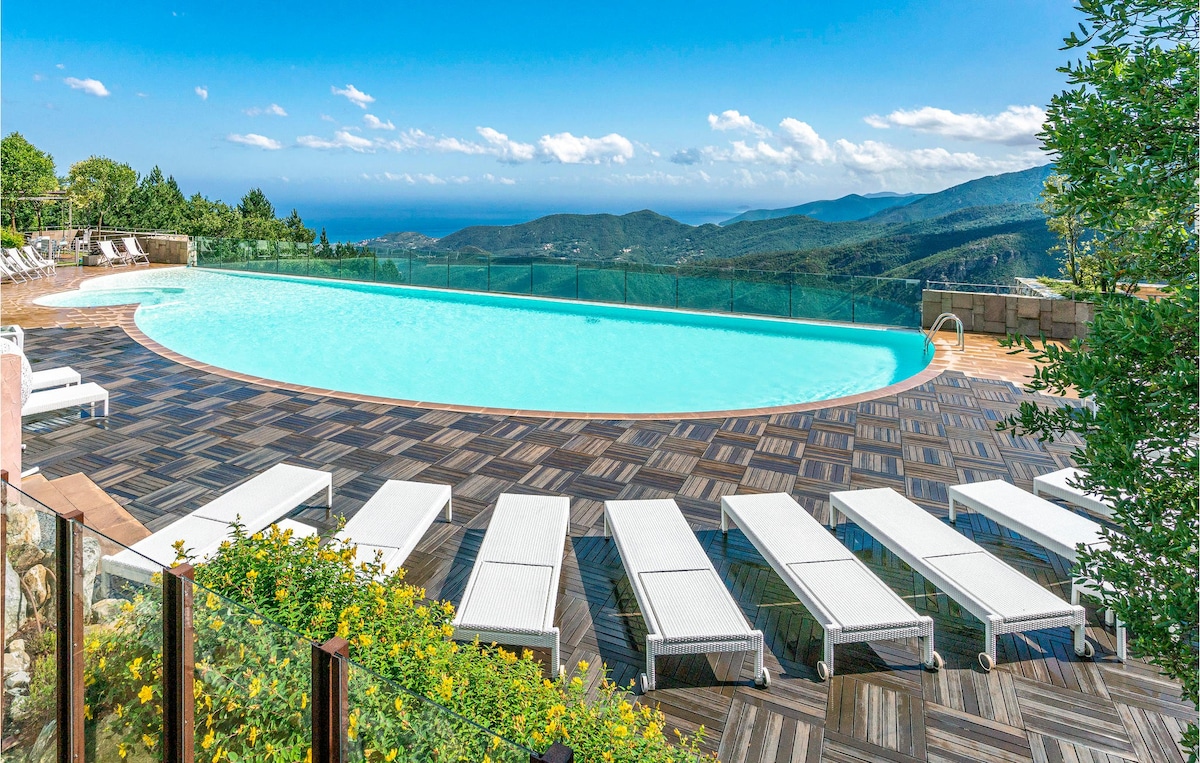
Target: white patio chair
(512, 593)
(685, 604)
(1063, 485)
(134, 251)
(255, 504)
(848, 600)
(18, 264)
(1047, 524)
(8, 272)
(63, 376)
(76, 395)
(34, 258)
(111, 257)
(391, 523)
(1001, 597)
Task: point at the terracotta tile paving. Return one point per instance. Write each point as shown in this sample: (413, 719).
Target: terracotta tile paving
(178, 436)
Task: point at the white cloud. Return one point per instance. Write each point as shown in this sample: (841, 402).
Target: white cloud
(375, 123)
(38, 78)
(255, 140)
(341, 139)
(504, 149)
(495, 144)
(731, 119)
(875, 157)
(501, 180)
(274, 110)
(202, 91)
(687, 156)
(354, 95)
(805, 140)
(1016, 125)
(327, 118)
(90, 86)
(60, 66)
(568, 149)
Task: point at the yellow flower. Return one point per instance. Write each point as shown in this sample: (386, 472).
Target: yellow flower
(251, 575)
(619, 731)
(146, 694)
(102, 663)
(364, 639)
(119, 711)
(216, 624)
(135, 668)
(208, 740)
(148, 741)
(255, 621)
(394, 651)
(399, 705)
(253, 735)
(255, 686)
(583, 666)
(390, 756)
(303, 701)
(123, 751)
(446, 689)
(280, 594)
(211, 601)
(607, 756)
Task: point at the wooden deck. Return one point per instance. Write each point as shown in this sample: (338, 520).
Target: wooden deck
(178, 436)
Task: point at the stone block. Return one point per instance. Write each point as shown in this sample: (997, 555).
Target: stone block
(1063, 310)
(1028, 327)
(1027, 307)
(1062, 331)
(1084, 312)
(993, 307)
(1044, 321)
(993, 327)
(967, 318)
(962, 300)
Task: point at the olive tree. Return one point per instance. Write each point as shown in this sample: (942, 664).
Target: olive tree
(100, 186)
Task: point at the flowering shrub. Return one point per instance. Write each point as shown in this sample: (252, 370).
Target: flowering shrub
(253, 676)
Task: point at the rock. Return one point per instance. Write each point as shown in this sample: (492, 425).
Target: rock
(45, 748)
(17, 680)
(12, 598)
(18, 710)
(16, 645)
(23, 526)
(37, 582)
(91, 565)
(25, 555)
(107, 610)
(15, 662)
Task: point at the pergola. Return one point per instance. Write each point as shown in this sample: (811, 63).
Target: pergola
(55, 196)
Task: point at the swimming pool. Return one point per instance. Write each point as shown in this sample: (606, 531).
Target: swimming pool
(486, 350)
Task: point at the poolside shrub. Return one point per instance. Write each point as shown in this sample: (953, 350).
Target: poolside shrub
(253, 675)
(10, 238)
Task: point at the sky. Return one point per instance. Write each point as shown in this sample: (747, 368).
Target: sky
(610, 106)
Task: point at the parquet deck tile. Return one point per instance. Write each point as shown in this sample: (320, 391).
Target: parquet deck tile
(178, 437)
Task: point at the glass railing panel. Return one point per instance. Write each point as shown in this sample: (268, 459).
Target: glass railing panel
(294, 266)
(393, 267)
(388, 723)
(30, 601)
(705, 289)
(354, 268)
(601, 282)
(253, 684)
(888, 301)
(430, 271)
(123, 651)
(468, 272)
(511, 275)
(555, 279)
(824, 298)
(762, 293)
(650, 286)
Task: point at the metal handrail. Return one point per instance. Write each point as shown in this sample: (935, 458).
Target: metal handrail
(937, 325)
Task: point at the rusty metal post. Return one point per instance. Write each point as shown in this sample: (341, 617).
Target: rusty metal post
(68, 551)
(179, 665)
(331, 703)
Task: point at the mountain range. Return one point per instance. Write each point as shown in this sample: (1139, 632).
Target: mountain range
(986, 230)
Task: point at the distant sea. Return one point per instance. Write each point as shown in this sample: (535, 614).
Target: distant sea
(343, 222)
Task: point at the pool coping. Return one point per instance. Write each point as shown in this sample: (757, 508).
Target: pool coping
(940, 362)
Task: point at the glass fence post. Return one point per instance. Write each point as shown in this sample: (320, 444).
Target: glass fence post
(489, 275)
(410, 268)
(731, 280)
(626, 290)
(179, 665)
(331, 704)
(69, 644)
(576, 280)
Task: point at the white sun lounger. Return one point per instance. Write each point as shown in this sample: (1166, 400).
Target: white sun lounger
(111, 257)
(44, 264)
(8, 271)
(686, 606)
(1004, 599)
(133, 250)
(255, 504)
(392, 522)
(47, 400)
(1045, 523)
(18, 265)
(511, 595)
(63, 376)
(1059, 485)
(848, 600)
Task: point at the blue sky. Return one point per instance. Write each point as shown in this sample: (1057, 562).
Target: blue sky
(608, 106)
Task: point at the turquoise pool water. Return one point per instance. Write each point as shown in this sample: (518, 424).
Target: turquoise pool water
(496, 351)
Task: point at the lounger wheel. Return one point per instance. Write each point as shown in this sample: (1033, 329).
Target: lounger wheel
(822, 670)
(936, 664)
(986, 662)
(644, 682)
(764, 682)
(1088, 652)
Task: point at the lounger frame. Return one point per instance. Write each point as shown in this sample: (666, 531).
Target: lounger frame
(994, 624)
(803, 525)
(989, 499)
(413, 506)
(660, 644)
(508, 509)
(1054, 485)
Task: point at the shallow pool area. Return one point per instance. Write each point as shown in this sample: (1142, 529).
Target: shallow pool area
(491, 351)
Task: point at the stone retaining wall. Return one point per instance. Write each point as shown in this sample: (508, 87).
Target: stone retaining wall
(1009, 313)
(165, 248)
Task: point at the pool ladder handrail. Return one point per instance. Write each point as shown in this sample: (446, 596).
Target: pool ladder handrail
(937, 326)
